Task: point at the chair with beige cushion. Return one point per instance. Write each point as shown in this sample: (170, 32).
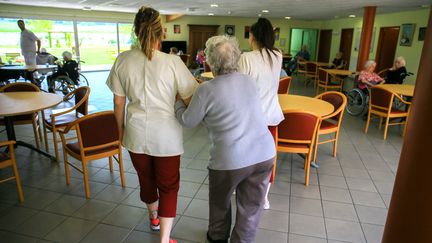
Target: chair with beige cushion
(8, 160)
(93, 142)
(332, 122)
(25, 119)
(296, 134)
(55, 119)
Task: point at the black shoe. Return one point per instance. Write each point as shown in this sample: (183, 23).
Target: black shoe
(215, 241)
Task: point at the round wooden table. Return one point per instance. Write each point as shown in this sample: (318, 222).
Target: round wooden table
(303, 103)
(400, 89)
(19, 103)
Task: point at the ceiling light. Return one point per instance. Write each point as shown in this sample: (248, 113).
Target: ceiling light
(265, 11)
(87, 8)
(351, 16)
(287, 17)
(214, 5)
(229, 12)
(259, 15)
(211, 14)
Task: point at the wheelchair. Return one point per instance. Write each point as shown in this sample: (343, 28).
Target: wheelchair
(65, 85)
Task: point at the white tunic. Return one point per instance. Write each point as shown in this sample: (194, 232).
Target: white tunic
(266, 77)
(151, 88)
(28, 42)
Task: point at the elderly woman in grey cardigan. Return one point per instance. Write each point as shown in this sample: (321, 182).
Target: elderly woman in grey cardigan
(242, 148)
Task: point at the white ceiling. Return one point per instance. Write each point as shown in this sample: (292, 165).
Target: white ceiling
(297, 9)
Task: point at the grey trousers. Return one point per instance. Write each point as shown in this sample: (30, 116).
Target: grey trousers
(250, 184)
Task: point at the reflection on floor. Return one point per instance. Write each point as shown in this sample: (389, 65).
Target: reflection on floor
(347, 200)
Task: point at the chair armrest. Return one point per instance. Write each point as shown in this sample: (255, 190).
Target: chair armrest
(401, 99)
(6, 143)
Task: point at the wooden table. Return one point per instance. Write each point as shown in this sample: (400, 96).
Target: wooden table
(19, 103)
(30, 68)
(340, 72)
(400, 89)
(208, 75)
(303, 103)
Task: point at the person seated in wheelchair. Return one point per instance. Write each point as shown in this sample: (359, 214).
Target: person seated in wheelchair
(368, 77)
(397, 73)
(67, 68)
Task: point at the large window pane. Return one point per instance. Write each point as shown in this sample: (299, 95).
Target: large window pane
(56, 37)
(98, 44)
(126, 36)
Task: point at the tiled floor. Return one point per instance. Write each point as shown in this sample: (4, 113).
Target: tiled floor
(346, 201)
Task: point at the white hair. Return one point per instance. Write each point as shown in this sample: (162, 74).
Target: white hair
(401, 60)
(67, 54)
(369, 63)
(222, 54)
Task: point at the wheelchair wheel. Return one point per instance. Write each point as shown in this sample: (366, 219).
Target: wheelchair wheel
(64, 85)
(356, 102)
(82, 80)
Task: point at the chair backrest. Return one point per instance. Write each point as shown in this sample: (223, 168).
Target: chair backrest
(311, 67)
(301, 66)
(91, 133)
(20, 87)
(284, 85)
(338, 100)
(82, 94)
(300, 126)
(381, 98)
(322, 76)
(206, 67)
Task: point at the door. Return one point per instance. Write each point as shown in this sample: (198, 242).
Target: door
(198, 35)
(310, 39)
(386, 50)
(324, 45)
(346, 45)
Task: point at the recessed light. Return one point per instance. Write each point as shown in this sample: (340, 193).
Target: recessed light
(87, 8)
(211, 14)
(229, 12)
(287, 17)
(259, 15)
(351, 16)
(265, 11)
(214, 5)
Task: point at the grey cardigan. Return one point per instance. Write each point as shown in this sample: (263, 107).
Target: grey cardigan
(230, 108)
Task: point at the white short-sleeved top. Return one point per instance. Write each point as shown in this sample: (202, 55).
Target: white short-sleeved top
(266, 76)
(28, 41)
(151, 88)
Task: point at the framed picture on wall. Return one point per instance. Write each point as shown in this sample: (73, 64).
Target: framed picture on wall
(407, 34)
(177, 29)
(246, 32)
(229, 29)
(422, 33)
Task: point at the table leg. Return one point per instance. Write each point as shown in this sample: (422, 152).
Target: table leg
(11, 136)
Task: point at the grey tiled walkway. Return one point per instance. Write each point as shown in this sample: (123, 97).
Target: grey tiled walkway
(347, 199)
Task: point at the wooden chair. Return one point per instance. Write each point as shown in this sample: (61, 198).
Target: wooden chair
(93, 142)
(10, 161)
(25, 119)
(311, 73)
(284, 85)
(55, 119)
(324, 82)
(381, 105)
(332, 122)
(301, 68)
(296, 134)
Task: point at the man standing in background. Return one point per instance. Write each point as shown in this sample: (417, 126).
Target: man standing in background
(29, 41)
(28, 44)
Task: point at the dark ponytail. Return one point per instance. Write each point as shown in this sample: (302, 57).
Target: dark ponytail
(264, 36)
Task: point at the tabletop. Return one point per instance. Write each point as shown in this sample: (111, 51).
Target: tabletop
(304, 103)
(400, 89)
(207, 75)
(21, 68)
(340, 72)
(18, 103)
